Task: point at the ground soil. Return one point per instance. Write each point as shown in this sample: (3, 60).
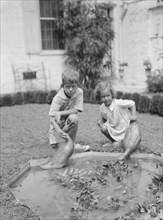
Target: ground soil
(24, 136)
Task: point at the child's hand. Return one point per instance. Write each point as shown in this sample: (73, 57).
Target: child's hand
(62, 134)
(68, 126)
(99, 123)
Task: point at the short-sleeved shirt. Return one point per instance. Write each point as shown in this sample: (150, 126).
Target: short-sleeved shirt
(61, 102)
(117, 117)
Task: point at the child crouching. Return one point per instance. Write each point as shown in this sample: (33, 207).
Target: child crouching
(64, 110)
(118, 120)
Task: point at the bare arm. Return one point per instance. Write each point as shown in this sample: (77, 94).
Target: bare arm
(101, 122)
(57, 128)
(68, 112)
(58, 114)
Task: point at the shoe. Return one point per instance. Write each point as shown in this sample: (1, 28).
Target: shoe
(81, 148)
(107, 145)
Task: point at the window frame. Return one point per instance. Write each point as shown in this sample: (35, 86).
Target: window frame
(48, 51)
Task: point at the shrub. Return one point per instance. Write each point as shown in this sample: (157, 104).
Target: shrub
(160, 106)
(119, 94)
(50, 96)
(29, 97)
(86, 50)
(18, 98)
(155, 81)
(135, 97)
(89, 96)
(7, 100)
(126, 96)
(41, 97)
(154, 104)
(0, 101)
(144, 103)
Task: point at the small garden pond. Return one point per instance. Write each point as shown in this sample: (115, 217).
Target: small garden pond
(93, 187)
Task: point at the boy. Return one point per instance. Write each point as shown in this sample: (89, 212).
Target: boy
(64, 109)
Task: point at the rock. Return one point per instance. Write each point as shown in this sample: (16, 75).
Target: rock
(124, 192)
(109, 198)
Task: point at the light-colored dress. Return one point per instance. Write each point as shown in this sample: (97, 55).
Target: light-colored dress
(117, 117)
(60, 103)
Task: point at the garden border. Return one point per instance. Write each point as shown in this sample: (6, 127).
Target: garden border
(144, 103)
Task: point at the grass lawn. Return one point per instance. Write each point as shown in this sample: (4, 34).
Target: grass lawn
(24, 135)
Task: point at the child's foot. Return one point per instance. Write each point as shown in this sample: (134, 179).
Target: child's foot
(52, 166)
(124, 157)
(117, 144)
(81, 148)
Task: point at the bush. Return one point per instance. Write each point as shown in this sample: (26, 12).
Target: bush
(50, 96)
(154, 104)
(1, 101)
(7, 100)
(160, 106)
(155, 81)
(89, 96)
(135, 97)
(126, 96)
(86, 50)
(29, 97)
(18, 99)
(119, 94)
(144, 103)
(41, 97)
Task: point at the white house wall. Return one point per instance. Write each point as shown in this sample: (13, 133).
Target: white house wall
(131, 44)
(135, 41)
(13, 49)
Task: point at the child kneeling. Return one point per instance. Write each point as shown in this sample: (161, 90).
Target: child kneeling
(118, 120)
(64, 110)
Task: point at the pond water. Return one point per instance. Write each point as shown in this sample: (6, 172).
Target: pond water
(112, 188)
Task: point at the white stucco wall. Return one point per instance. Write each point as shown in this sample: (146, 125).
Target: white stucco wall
(13, 48)
(132, 44)
(136, 41)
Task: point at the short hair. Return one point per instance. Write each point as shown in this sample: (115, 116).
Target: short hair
(101, 86)
(70, 76)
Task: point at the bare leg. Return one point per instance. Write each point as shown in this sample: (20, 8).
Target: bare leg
(112, 143)
(104, 130)
(131, 141)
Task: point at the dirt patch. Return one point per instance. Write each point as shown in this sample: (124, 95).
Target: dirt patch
(24, 135)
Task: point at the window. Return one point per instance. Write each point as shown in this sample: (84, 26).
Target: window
(51, 37)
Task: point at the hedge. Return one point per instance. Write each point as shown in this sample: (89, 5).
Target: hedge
(18, 98)
(153, 109)
(135, 97)
(144, 104)
(160, 106)
(7, 100)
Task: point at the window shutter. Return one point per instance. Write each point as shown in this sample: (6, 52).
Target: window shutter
(31, 26)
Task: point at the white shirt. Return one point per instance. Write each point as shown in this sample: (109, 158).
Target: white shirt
(61, 102)
(117, 117)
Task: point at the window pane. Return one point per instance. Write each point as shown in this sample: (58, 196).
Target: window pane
(48, 8)
(51, 37)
